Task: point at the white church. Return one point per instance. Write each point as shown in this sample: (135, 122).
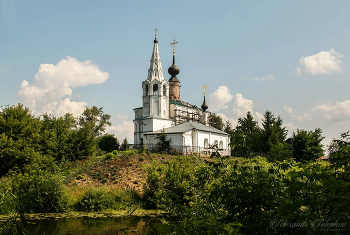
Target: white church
(188, 126)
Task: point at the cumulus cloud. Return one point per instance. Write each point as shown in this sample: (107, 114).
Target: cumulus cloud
(241, 105)
(219, 98)
(224, 118)
(259, 117)
(338, 112)
(324, 62)
(125, 129)
(267, 78)
(288, 109)
(53, 86)
(122, 117)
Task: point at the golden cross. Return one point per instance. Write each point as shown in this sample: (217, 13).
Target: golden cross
(204, 88)
(155, 32)
(174, 45)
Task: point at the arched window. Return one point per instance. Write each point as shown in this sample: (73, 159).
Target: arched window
(164, 90)
(216, 143)
(146, 90)
(155, 89)
(206, 143)
(221, 145)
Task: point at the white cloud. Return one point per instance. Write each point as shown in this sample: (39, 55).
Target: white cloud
(242, 105)
(267, 78)
(290, 127)
(53, 84)
(219, 98)
(126, 129)
(224, 118)
(122, 117)
(324, 62)
(298, 71)
(288, 109)
(338, 112)
(259, 117)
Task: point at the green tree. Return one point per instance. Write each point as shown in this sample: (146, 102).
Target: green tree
(245, 138)
(272, 132)
(19, 139)
(108, 143)
(95, 120)
(307, 145)
(163, 144)
(125, 144)
(216, 121)
(57, 133)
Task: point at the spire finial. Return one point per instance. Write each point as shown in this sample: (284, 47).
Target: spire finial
(174, 45)
(155, 33)
(204, 88)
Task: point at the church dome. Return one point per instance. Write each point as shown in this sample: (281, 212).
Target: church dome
(173, 70)
(204, 105)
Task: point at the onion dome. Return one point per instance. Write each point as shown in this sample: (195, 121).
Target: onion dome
(204, 105)
(173, 71)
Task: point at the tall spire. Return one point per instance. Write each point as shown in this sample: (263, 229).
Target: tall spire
(174, 93)
(155, 70)
(204, 105)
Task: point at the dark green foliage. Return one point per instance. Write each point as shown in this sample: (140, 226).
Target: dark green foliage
(57, 136)
(307, 145)
(245, 139)
(279, 152)
(40, 192)
(108, 143)
(217, 122)
(163, 144)
(272, 132)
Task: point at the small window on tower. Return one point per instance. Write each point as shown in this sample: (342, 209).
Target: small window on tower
(155, 89)
(146, 90)
(164, 90)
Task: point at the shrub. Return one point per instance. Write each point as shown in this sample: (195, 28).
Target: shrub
(79, 177)
(95, 199)
(109, 155)
(40, 192)
(115, 152)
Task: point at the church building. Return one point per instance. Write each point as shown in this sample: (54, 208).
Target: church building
(188, 126)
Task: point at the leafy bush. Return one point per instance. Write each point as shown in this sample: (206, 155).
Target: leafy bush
(109, 155)
(96, 199)
(108, 143)
(103, 198)
(40, 192)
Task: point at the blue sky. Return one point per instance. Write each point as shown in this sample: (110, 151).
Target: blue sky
(291, 57)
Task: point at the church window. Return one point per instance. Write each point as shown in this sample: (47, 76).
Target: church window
(155, 89)
(146, 90)
(216, 143)
(206, 143)
(164, 90)
(221, 145)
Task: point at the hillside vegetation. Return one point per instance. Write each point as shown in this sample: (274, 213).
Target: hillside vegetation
(64, 164)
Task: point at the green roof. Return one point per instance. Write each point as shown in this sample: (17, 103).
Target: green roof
(177, 102)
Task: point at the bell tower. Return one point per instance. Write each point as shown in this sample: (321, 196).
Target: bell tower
(155, 88)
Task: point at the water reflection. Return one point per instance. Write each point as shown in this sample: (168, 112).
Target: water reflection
(92, 226)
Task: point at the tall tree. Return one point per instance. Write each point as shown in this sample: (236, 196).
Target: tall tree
(272, 132)
(245, 138)
(95, 120)
(307, 145)
(217, 122)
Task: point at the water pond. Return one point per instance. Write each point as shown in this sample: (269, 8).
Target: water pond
(95, 223)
